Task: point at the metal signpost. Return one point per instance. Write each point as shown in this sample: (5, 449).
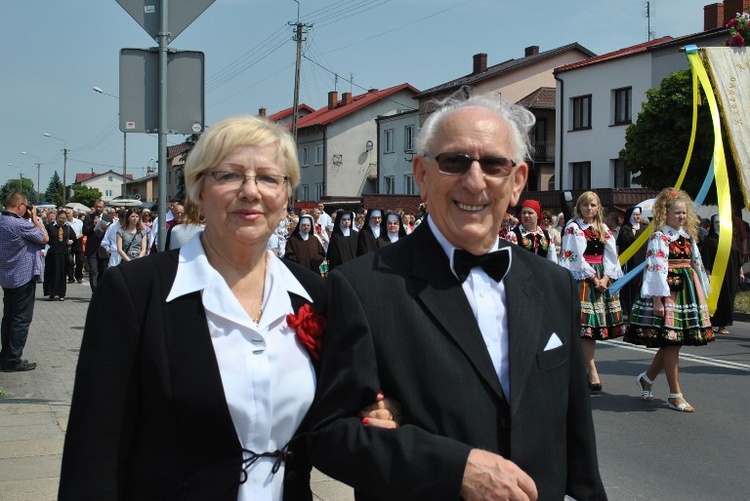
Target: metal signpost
(137, 106)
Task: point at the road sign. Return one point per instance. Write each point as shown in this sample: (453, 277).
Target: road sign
(139, 91)
(147, 13)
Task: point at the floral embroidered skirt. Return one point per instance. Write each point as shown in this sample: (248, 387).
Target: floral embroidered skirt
(685, 320)
(601, 313)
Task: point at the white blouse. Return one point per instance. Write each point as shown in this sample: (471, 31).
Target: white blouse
(657, 266)
(267, 374)
(574, 245)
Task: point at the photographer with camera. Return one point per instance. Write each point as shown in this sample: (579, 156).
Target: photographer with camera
(22, 236)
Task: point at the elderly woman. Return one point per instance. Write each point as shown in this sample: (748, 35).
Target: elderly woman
(196, 386)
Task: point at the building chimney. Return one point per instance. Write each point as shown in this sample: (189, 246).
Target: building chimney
(262, 112)
(333, 99)
(733, 7)
(480, 63)
(532, 50)
(346, 98)
(713, 16)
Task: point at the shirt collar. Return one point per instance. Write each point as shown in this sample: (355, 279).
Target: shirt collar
(448, 247)
(673, 234)
(195, 274)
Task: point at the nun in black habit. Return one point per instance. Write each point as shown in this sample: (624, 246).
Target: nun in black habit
(391, 231)
(630, 230)
(303, 247)
(724, 314)
(343, 245)
(371, 231)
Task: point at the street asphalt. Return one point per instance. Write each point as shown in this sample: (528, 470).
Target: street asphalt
(646, 451)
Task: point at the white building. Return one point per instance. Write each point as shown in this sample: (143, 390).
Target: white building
(108, 183)
(396, 149)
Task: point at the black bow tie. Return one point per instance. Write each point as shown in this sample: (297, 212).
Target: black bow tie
(495, 264)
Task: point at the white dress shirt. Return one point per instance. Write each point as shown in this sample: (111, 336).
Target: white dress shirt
(488, 302)
(267, 375)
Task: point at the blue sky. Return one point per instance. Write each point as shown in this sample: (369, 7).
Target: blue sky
(55, 51)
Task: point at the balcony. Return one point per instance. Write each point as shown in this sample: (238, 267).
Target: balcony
(544, 151)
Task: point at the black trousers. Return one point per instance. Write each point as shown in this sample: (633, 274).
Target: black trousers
(18, 309)
(97, 267)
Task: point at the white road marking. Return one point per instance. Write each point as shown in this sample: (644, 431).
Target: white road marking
(684, 356)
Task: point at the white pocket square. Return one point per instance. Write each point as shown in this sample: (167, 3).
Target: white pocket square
(554, 342)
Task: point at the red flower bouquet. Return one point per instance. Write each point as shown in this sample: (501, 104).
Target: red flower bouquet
(309, 326)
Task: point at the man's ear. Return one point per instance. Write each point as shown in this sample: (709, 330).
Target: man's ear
(520, 175)
(419, 170)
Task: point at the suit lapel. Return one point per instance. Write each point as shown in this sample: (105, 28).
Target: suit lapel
(444, 298)
(523, 324)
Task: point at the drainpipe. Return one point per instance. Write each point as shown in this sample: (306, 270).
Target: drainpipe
(561, 128)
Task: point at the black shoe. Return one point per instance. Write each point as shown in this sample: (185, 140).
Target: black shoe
(595, 387)
(80, 281)
(22, 366)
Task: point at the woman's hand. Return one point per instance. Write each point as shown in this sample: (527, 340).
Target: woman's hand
(602, 284)
(384, 413)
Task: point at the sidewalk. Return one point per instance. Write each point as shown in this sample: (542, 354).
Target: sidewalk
(34, 411)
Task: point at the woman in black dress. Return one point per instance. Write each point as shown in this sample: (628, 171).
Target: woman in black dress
(343, 246)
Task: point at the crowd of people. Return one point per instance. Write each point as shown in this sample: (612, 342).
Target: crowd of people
(230, 366)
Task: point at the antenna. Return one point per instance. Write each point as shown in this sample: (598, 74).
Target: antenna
(650, 35)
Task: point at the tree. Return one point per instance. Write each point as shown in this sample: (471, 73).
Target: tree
(180, 174)
(85, 195)
(54, 191)
(656, 144)
(25, 186)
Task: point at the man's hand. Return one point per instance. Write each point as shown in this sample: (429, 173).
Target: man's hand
(489, 477)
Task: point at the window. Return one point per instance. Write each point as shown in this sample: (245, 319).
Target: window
(319, 154)
(581, 175)
(409, 188)
(304, 192)
(388, 141)
(582, 112)
(305, 161)
(319, 189)
(390, 185)
(622, 176)
(623, 105)
(409, 138)
(110, 178)
(107, 193)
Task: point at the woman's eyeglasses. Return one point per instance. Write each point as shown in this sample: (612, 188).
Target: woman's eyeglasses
(458, 164)
(235, 180)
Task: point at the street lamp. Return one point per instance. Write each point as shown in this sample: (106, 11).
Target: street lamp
(124, 144)
(38, 175)
(65, 165)
(20, 176)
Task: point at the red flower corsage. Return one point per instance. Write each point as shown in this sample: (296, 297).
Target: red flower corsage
(309, 326)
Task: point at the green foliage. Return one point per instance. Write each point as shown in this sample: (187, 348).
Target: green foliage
(85, 195)
(54, 191)
(25, 186)
(656, 144)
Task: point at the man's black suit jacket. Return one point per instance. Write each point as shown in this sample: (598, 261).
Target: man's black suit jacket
(400, 322)
(149, 419)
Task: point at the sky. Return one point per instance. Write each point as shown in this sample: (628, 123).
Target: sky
(55, 51)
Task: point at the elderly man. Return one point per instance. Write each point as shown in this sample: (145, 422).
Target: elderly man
(455, 325)
(22, 236)
(94, 227)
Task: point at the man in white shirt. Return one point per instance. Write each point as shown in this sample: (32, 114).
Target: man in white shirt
(75, 268)
(325, 221)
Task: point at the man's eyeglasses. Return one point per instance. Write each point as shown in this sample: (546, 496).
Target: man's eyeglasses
(235, 180)
(458, 164)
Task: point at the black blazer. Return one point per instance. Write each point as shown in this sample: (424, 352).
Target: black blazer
(149, 419)
(400, 322)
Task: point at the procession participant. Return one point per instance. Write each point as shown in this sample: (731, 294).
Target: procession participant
(58, 257)
(548, 224)
(370, 232)
(392, 230)
(343, 245)
(529, 235)
(630, 230)
(589, 252)
(671, 310)
(495, 404)
(304, 248)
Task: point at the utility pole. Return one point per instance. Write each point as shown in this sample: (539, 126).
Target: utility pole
(299, 32)
(648, 17)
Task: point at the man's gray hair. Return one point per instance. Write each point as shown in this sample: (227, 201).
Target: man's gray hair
(519, 119)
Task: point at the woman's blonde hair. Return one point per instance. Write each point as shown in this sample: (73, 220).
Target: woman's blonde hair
(665, 200)
(598, 223)
(222, 139)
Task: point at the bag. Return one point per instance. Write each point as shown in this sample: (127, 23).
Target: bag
(323, 268)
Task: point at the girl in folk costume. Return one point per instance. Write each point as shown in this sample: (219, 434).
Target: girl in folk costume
(529, 235)
(671, 309)
(589, 252)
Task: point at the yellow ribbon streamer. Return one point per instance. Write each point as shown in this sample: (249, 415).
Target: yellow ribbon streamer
(722, 186)
(644, 236)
